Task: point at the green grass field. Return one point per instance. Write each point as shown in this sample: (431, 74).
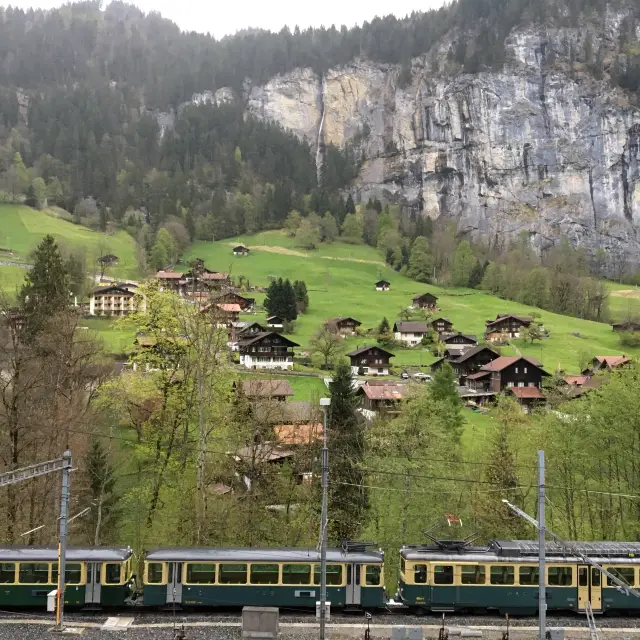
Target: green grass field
(22, 228)
(624, 301)
(341, 278)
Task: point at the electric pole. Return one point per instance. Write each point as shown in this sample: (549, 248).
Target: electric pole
(324, 403)
(542, 598)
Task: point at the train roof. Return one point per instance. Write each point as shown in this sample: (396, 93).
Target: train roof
(523, 551)
(256, 554)
(74, 554)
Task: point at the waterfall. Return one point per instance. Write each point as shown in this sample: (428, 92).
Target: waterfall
(319, 140)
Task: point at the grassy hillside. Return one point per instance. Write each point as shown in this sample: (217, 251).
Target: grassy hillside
(341, 277)
(624, 301)
(22, 228)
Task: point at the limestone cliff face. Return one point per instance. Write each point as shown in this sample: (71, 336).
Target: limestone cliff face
(537, 148)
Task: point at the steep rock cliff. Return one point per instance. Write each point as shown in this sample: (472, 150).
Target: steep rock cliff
(541, 148)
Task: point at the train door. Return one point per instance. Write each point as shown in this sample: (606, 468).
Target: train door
(589, 588)
(174, 583)
(93, 587)
(353, 584)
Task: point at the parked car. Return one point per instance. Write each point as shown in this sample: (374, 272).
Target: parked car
(424, 377)
(404, 375)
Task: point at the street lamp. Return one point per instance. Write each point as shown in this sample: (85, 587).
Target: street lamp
(324, 403)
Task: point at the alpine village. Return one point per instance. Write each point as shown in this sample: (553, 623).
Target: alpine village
(268, 296)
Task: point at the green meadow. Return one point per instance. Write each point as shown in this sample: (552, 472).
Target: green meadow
(340, 279)
(22, 228)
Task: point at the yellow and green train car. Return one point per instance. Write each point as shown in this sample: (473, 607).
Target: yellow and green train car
(504, 577)
(95, 578)
(235, 577)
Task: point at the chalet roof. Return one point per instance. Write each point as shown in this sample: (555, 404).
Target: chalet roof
(298, 434)
(169, 275)
(275, 318)
(385, 390)
(382, 282)
(240, 247)
(469, 353)
(613, 361)
(266, 388)
(440, 319)
(361, 350)
(527, 393)
(505, 316)
(248, 325)
(229, 307)
(213, 276)
(114, 288)
(411, 327)
(478, 375)
(468, 336)
(265, 334)
(501, 363)
(267, 452)
(577, 381)
(425, 295)
(339, 319)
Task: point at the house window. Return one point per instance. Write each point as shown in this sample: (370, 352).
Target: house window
(509, 384)
(525, 369)
(516, 369)
(521, 384)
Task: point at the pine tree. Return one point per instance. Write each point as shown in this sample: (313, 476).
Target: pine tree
(384, 326)
(477, 273)
(100, 496)
(272, 299)
(289, 308)
(350, 207)
(348, 498)
(463, 263)
(420, 262)
(45, 291)
(302, 297)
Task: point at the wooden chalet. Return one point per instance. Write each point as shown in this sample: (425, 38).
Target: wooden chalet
(471, 360)
(198, 282)
(425, 301)
(278, 390)
(114, 300)
(383, 285)
(246, 329)
(268, 350)
(628, 326)
(578, 386)
(441, 326)
(506, 372)
(241, 250)
(607, 363)
(275, 323)
(231, 297)
(343, 325)
(461, 339)
(380, 396)
(410, 333)
(370, 361)
(506, 326)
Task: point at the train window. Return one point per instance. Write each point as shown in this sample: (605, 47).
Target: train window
(372, 575)
(559, 576)
(622, 573)
(7, 572)
(473, 574)
(296, 574)
(72, 573)
(403, 565)
(595, 577)
(528, 576)
(112, 573)
(201, 573)
(233, 574)
(502, 574)
(443, 574)
(420, 574)
(154, 573)
(34, 573)
(264, 573)
(334, 574)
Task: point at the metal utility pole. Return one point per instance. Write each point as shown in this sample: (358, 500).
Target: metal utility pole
(542, 574)
(324, 403)
(62, 546)
(34, 471)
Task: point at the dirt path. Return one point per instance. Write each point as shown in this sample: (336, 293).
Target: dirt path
(300, 254)
(625, 293)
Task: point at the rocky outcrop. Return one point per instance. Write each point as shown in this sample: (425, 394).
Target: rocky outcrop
(540, 148)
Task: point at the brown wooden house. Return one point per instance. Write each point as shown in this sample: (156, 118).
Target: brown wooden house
(256, 389)
(425, 301)
(506, 326)
(343, 325)
(441, 325)
(506, 372)
(269, 350)
(231, 297)
(460, 338)
(380, 396)
(383, 285)
(241, 250)
(527, 397)
(470, 361)
(370, 361)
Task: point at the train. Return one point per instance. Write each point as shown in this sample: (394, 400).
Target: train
(444, 576)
